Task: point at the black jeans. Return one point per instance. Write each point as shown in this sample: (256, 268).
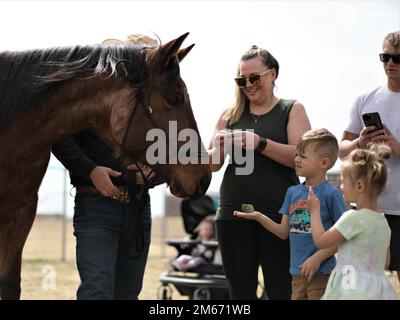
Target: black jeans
(245, 245)
(108, 267)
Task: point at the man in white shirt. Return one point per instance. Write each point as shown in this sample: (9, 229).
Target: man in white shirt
(385, 100)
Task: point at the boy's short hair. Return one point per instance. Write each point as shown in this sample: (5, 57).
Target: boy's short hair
(325, 144)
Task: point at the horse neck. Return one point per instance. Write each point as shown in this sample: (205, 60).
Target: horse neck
(25, 145)
(75, 106)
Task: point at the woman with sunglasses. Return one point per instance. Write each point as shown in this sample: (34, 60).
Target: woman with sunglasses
(386, 101)
(269, 128)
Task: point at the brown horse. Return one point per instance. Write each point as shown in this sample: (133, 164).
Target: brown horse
(121, 91)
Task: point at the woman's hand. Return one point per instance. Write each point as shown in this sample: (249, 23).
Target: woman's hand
(246, 139)
(222, 139)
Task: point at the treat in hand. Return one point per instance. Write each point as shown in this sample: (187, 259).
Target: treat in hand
(248, 208)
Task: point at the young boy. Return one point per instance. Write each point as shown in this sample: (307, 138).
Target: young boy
(310, 268)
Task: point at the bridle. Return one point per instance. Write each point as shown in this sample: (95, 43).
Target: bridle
(143, 87)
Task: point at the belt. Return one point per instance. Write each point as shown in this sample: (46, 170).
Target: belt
(123, 192)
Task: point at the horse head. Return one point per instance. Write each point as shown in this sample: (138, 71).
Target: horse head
(159, 128)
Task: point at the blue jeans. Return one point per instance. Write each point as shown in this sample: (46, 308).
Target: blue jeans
(109, 266)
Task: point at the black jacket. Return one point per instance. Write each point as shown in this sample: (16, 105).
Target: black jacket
(84, 151)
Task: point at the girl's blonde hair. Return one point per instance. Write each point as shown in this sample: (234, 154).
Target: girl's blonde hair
(368, 164)
(236, 110)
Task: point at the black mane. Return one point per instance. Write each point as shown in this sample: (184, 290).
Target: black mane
(27, 76)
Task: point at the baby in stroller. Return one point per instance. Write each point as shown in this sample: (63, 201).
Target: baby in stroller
(197, 271)
(200, 254)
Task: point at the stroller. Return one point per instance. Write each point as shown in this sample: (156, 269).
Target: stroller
(206, 281)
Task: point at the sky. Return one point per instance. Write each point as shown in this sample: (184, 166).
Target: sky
(327, 50)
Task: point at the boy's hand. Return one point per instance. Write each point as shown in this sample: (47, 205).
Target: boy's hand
(310, 267)
(312, 201)
(252, 215)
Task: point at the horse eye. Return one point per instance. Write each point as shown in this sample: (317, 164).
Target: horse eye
(173, 101)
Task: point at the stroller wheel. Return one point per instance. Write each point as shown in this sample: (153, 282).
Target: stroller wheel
(202, 294)
(164, 293)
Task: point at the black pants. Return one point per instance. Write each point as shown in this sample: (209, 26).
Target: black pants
(245, 245)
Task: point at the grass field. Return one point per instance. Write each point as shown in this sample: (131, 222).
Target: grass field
(46, 277)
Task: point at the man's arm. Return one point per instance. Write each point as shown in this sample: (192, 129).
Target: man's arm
(69, 153)
(73, 158)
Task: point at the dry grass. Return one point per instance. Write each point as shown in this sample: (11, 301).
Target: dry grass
(43, 254)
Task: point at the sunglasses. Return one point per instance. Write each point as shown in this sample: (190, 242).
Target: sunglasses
(254, 79)
(385, 57)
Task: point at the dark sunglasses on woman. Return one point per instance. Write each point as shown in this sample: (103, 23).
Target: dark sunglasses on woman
(385, 57)
(254, 79)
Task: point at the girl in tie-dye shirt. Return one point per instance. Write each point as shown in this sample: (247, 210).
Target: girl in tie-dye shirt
(362, 235)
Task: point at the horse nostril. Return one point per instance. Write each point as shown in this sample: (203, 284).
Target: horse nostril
(205, 182)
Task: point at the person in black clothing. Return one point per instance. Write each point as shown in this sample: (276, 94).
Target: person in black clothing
(269, 128)
(112, 218)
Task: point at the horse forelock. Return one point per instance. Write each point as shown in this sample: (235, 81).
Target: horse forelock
(26, 77)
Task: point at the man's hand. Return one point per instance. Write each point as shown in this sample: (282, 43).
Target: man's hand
(370, 134)
(100, 177)
(391, 141)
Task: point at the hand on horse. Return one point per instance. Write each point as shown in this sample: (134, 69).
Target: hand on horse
(100, 177)
(141, 169)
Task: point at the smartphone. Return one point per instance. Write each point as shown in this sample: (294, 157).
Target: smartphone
(372, 119)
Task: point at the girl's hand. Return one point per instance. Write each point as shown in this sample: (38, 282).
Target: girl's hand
(312, 201)
(252, 215)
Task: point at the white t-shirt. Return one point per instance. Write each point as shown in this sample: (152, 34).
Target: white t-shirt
(387, 103)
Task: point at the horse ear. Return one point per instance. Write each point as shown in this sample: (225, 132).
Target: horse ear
(183, 52)
(169, 50)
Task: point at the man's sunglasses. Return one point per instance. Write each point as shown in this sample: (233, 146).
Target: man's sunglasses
(385, 57)
(254, 79)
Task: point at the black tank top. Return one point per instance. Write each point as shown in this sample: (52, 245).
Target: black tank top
(266, 186)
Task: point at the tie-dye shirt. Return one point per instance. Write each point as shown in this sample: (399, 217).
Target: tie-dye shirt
(359, 272)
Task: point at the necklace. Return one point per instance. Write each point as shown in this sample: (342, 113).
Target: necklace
(256, 116)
